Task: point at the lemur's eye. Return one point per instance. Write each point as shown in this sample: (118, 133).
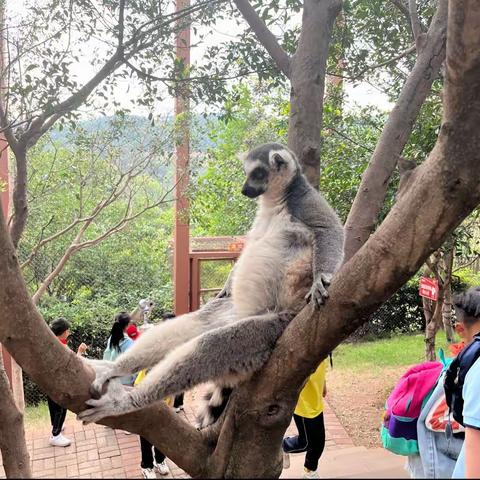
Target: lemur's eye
(258, 174)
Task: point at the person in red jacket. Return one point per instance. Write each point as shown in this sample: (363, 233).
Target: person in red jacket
(61, 328)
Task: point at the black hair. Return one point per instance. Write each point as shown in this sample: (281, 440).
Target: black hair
(116, 334)
(168, 315)
(469, 303)
(59, 326)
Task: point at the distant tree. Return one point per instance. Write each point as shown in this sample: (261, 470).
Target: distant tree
(89, 189)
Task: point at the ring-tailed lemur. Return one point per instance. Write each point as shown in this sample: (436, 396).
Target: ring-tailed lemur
(291, 253)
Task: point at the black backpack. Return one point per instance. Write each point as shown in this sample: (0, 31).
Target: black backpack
(455, 377)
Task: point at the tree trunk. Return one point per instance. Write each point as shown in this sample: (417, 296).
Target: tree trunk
(447, 294)
(447, 316)
(307, 76)
(16, 460)
(373, 188)
(433, 322)
(19, 197)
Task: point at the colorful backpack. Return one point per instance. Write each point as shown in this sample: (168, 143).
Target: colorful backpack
(403, 407)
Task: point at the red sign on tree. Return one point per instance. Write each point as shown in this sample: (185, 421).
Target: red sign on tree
(428, 288)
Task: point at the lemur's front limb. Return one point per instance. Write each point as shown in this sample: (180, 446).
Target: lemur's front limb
(227, 288)
(229, 351)
(326, 259)
(155, 343)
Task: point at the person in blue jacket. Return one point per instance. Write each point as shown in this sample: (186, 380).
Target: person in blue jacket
(119, 342)
(467, 308)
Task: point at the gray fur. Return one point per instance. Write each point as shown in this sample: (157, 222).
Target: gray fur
(292, 251)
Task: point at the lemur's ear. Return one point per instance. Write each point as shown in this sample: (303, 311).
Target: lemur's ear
(278, 161)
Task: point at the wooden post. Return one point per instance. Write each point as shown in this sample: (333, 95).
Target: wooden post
(181, 261)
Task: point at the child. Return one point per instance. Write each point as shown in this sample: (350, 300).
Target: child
(118, 342)
(308, 418)
(61, 328)
(467, 308)
(152, 462)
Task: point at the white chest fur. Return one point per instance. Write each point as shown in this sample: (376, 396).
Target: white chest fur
(260, 268)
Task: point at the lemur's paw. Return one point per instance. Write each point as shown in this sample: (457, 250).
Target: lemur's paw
(103, 371)
(113, 403)
(318, 293)
(96, 388)
(223, 293)
(286, 317)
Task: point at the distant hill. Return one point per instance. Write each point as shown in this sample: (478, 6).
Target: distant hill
(139, 131)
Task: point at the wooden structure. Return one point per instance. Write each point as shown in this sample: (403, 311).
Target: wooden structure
(209, 249)
(181, 267)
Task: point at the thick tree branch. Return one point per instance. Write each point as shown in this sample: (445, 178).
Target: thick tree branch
(372, 190)
(16, 460)
(307, 76)
(19, 196)
(446, 190)
(264, 36)
(66, 378)
(416, 24)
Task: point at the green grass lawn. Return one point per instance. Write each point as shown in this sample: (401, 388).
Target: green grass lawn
(400, 350)
(38, 415)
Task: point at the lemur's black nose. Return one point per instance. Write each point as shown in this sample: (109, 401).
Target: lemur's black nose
(251, 192)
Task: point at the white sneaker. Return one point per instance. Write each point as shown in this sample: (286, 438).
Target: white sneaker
(161, 468)
(310, 473)
(59, 441)
(179, 409)
(148, 473)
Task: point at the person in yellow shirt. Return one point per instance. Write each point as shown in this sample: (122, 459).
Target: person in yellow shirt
(310, 424)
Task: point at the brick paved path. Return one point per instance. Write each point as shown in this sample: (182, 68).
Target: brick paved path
(100, 452)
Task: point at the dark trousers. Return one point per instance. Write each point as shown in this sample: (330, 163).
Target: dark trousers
(57, 416)
(147, 454)
(178, 400)
(310, 439)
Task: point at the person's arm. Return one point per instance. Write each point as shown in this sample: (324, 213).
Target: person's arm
(82, 348)
(472, 452)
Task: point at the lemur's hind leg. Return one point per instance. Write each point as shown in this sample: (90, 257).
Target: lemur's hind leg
(214, 403)
(158, 341)
(228, 352)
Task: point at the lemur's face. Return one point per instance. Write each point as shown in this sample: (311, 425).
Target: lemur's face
(145, 304)
(269, 167)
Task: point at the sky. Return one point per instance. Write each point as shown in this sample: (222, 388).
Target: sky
(360, 94)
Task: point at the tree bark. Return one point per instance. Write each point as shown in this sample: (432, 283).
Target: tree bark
(65, 377)
(306, 71)
(13, 447)
(445, 191)
(433, 318)
(307, 76)
(19, 197)
(373, 187)
(447, 314)
(447, 295)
